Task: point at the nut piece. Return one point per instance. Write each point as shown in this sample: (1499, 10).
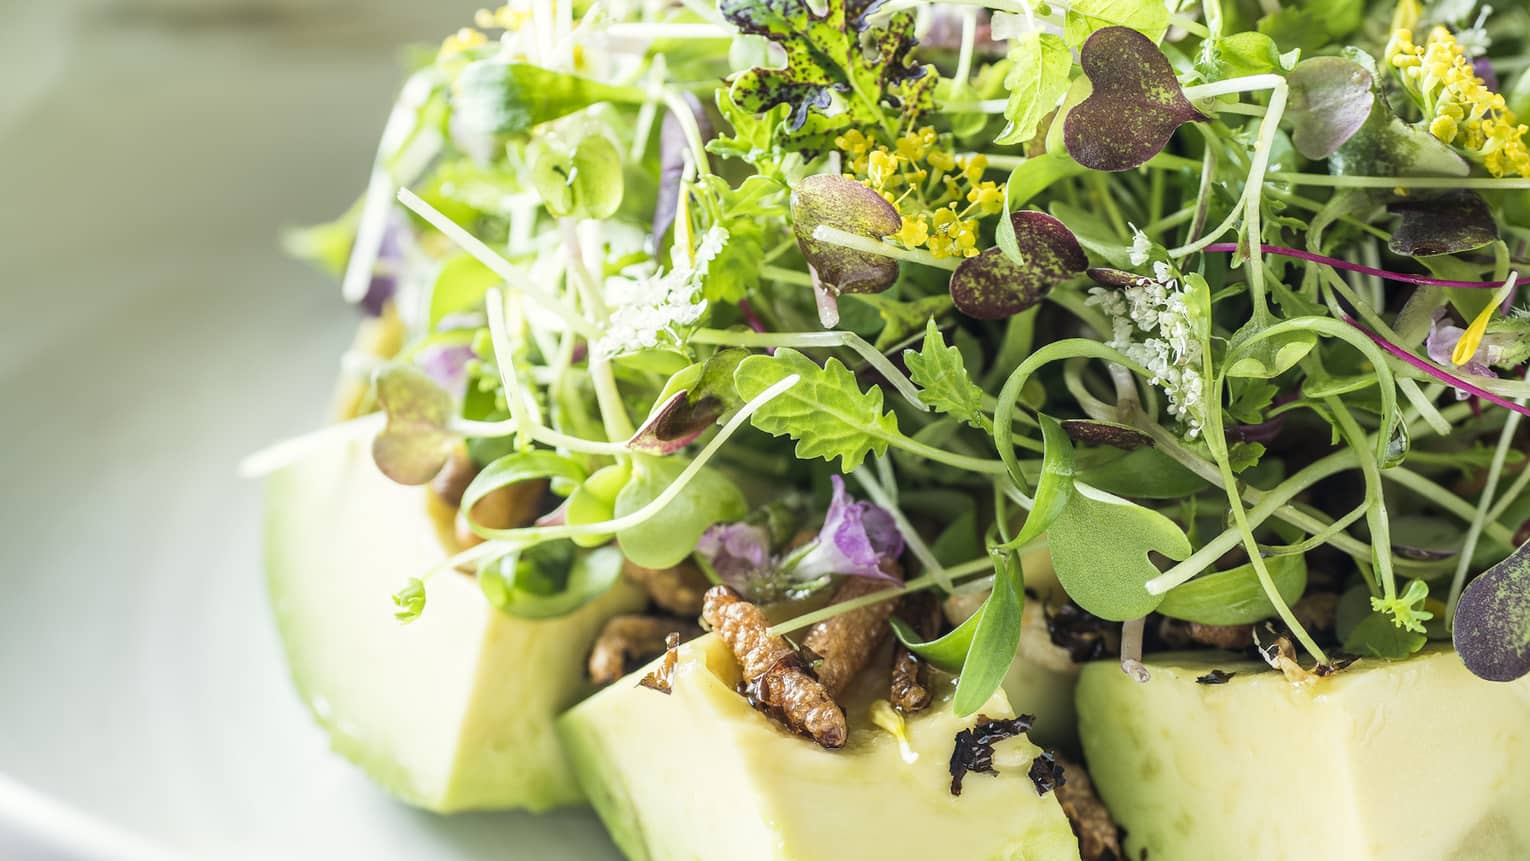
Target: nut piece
(677, 589)
(776, 678)
(1233, 638)
(847, 641)
(910, 691)
(1317, 611)
(454, 478)
(503, 508)
(1098, 837)
(626, 641)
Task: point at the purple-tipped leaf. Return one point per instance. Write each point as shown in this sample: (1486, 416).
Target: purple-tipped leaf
(1113, 434)
(1135, 107)
(991, 286)
(415, 444)
(831, 200)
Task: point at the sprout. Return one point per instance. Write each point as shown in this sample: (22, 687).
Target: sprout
(1135, 107)
(842, 203)
(991, 286)
(415, 444)
(1331, 98)
(1454, 222)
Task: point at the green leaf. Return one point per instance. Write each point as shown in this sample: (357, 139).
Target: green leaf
(1033, 176)
(942, 377)
(409, 602)
(901, 318)
(594, 501)
(1036, 81)
(1266, 357)
(548, 580)
(947, 652)
(1242, 54)
(1311, 24)
(1100, 546)
(826, 412)
(671, 535)
(1084, 17)
(1145, 473)
(1054, 488)
(585, 182)
(1331, 98)
(493, 98)
(1234, 596)
(995, 639)
(1244, 455)
(1376, 637)
(460, 285)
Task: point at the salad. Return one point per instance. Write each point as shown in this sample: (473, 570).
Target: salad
(948, 402)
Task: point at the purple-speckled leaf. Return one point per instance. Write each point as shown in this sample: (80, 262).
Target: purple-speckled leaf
(1113, 434)
(1449, 224)
(836, 201)
(1107, 277)
(1135, 107)
(1492, 631)
(990, 286)
(415, 444)
(1331, 98)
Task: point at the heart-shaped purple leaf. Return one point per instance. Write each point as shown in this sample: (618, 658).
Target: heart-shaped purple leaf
(1331, 98)
(991, 286)
(1135, 107)
(1492, 630)
(1454, 222)
(836, 201)
(416, 443)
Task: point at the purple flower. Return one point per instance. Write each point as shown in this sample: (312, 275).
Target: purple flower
(1441, 344)
(857, 537)
(385, 271)
(736, 551)
(447, 365)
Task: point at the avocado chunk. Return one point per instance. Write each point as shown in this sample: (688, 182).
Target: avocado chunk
(453, 711)
(699, 773)
(1411, 761)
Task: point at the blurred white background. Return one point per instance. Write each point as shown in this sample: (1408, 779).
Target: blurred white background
(151, 334)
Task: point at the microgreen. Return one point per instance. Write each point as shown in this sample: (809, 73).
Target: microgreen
(671, 534)
(548, 580)
(992, 285)
(409, 602)
(1235, 596)
(1331, 98)
(1492, 620)
(1037, 79)
(1454, 222)
(1113, 434)
(579, 181)
(416, 442)
(493, 98)
(701, 395)
(1135, 106)
(844, 204)
(828, 414)
(994, 639)
(943, 381)
(1100, 545)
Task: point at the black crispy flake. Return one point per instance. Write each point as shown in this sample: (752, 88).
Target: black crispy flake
(1215, 677)
(974, 747)
(1084, 636)
(1046, 773)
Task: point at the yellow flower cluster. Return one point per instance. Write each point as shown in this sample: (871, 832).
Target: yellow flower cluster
(506, 17)
(1458, 105)
(940, 196)
(462, 41)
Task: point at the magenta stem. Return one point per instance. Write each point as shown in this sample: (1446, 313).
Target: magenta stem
(1405, 278)
(1435, 371)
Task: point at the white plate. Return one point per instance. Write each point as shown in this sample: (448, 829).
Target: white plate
(151, 334)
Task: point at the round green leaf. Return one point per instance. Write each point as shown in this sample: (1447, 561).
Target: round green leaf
(671, 535)
(1100, 546)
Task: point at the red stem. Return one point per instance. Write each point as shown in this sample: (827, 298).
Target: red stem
(1435, 371)
(1228, 247)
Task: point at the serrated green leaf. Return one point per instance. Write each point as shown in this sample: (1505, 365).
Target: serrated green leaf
(1084, 17)
(826, 412)
(942, 377)
(1036, 81)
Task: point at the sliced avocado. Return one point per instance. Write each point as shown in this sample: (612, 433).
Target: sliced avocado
(699, 773)
(1041, 681)
(453, 711)
(1411, 761)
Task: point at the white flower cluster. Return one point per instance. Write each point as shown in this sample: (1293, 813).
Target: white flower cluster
(1151, 325)
(653, 307)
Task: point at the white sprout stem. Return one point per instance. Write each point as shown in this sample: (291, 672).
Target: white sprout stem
(956, 572)
(916, 545)
(1484, 506)
(522, 411)
(1507, 498)
(612, 413)
(532, 534)
(1342, 181)
(787, 276)
(855, 242)
(289, 451)
(1234, 86)
(642, 127)
(873, 357)
(542, 434)
(969, 40)
(683, 115)
(1131, 649)
(497, 263)
(1240, 108)
(1426, 409)
(644, 33)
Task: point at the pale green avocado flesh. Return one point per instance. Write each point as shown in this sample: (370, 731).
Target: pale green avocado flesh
(1411, 761)
(451, 712)
(700, 774)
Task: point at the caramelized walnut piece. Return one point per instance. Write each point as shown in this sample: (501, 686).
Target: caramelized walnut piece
(846, 642)
(910, 689)
(1317, 611)
(677, 589)
(503, 508)
(1098, 837)
(662, 677)
(627, 641)
(453, 479)
(775, 676)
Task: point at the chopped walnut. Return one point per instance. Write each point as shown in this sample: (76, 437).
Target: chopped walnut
(1098, 837)
(846, 642)
(627, 641)
(776, 678)
(502, 508)
(1317, 611)
(662, 677)
(677, 589)
(910, 689)
(1233, 638)
(453, 479)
